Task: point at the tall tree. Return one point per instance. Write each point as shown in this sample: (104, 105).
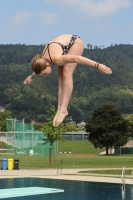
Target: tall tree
(52, 134)
(38, 126)
(129, 118)
(70, 126)
(89, 46)
(107, 128)
(3, 116)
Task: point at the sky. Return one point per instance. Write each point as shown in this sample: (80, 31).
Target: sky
(97, 22)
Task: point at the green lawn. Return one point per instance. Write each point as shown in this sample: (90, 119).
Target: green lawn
(78, 147)
(3, 145)
(90, 160)
(74, 161)
(104, 172)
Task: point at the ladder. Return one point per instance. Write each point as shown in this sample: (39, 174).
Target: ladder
(59, 169)
(123, 182)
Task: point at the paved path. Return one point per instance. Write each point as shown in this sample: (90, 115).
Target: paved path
(67, 174)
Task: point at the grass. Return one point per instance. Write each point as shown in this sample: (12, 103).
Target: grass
(38, 162)
(117, 173)
(78, 147)
(109, 172)
(3, 145)
(73, 160)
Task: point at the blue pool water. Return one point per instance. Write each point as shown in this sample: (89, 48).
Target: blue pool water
(73, 190)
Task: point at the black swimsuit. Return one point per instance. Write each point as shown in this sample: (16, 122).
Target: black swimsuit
(65, 48)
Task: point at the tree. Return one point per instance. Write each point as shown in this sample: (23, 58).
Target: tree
(70, 126)
(129, 119)
(89, 46)
(38, 126)
(3, 116)
(52, 134)
(89, 93)
(107, 128)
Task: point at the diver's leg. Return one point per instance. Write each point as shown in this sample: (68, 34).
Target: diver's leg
(68, 69)
(60, 87)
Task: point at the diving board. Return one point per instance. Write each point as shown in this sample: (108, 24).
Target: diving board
(26, 191)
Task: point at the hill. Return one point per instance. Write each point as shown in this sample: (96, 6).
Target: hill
(91, 88)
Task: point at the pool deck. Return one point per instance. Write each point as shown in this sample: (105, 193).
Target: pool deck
(67, 174)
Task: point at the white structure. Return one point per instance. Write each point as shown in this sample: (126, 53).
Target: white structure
(81, 125)
(3, 137)
(81, 135)
(31, 152)
(2, 108)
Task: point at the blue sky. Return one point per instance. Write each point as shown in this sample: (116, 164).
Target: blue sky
(98, 22)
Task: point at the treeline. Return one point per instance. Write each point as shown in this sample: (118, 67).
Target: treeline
(91, 88)
(90, 46)
(18, 54)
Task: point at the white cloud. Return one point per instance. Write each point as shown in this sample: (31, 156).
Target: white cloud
(21, 19)
(48, 18)
(18, 22)
(95, 8)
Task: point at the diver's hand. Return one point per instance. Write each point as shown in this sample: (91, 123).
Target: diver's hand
(104, 69)
(28, 80)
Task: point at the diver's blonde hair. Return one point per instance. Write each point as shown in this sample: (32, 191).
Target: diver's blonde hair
(38, 63)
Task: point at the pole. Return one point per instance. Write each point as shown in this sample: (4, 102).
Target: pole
(32, 135)
(23, 136)
(14, 135)
(97, 155)
(57, 144)
(120, 154)
(73, 155)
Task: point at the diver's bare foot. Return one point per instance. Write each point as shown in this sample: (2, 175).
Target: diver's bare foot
(61, 116)
(56, 115)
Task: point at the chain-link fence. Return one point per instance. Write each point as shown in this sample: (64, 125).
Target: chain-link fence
(23, 139)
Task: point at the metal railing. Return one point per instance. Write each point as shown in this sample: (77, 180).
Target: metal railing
(131, 178)
(123, 175)
(123, 182)
(59, 169)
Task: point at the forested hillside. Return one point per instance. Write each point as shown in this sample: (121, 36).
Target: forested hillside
(91, 88)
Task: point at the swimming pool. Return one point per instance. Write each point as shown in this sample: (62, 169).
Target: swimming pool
(73, 190)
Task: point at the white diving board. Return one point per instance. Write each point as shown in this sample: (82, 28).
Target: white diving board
(26, 191)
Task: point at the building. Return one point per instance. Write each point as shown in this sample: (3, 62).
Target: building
(81, 125)
(81, 135)
(2, 108)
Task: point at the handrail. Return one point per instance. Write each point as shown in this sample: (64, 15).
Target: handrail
(59, 169)
(131, 176)
(123, 182)
(123, 175)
